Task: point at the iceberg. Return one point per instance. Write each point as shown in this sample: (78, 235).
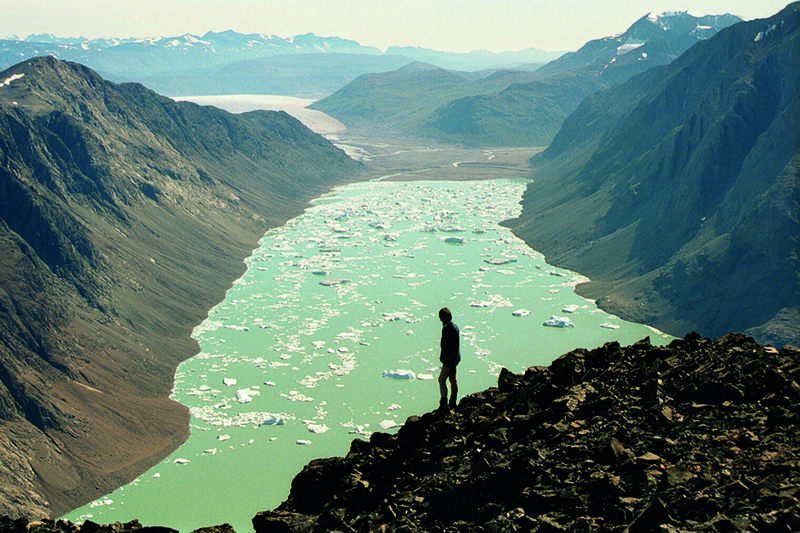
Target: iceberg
(388, 424)
(317, 428)
(399, 374)
(559, 322)
(609, 325)
(274, 421)
(570, 308)
(521, 312)
(246, 395)
(229, 382)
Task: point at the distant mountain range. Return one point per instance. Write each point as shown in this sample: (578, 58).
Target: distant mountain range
(526, 109)
(234, 63)
(124, 217)
(677, 191)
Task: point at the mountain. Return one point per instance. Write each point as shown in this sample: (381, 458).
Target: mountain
(530, 113)
(677, 191)
(518, 107)
(133, 59)
(475, 60)
(300, 75)
(124, 217)
(233, 63)
(405, 99)
(699, 435)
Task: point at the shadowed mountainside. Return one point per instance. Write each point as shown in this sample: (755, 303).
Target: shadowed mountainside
(677, 192)
(124, 217)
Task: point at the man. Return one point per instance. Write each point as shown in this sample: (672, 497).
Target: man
(450, 356)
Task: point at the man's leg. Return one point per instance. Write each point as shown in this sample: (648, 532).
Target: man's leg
(453, 386)
(443, 375)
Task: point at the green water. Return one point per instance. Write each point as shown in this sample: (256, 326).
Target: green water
(309, 359)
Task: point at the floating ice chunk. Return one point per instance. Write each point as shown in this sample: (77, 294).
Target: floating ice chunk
(303, 442)
(521, 312)
(557, 274)
(246, 395)
(503, 261)
(342, 349)
(570, 308)
(285, 356)
(388, 424)
(319, 344)
(333, 282)
(480, 304)
(229, 382)
(609, 325)
(223, 438)
(399, 374)
(204, 388)
(392, 317)
(393, 407)
(156, 475)
(455, 240)
(180, 461)
(211, 451)
(274, 420)
(317, 428)
(559, 322)
(269, 383)
(359, 430)
(425, 377)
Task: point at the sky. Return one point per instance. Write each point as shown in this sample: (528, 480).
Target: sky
(445, 25)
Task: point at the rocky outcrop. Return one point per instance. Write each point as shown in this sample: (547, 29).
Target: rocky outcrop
(701, 435)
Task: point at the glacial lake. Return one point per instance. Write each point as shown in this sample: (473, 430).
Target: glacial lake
(332, 334)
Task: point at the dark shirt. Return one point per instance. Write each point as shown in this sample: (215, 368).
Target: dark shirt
(451, 353)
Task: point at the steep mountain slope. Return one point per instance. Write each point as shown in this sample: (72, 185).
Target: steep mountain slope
(677, 192)
(530, 113)
(124, 216)
(405, 99)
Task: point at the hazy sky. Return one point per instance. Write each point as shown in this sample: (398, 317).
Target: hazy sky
(448, 25)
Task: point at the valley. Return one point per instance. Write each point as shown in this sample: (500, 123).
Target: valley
(644, 185)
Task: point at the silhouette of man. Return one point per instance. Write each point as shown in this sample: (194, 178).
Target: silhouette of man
(450, 356)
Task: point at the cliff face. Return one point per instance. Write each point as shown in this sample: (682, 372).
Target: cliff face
(677, 192)
(124, 216)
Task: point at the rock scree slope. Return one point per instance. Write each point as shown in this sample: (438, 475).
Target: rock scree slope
(699, 435)
(124, 217)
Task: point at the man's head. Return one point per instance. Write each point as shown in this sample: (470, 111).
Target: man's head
(445, 315)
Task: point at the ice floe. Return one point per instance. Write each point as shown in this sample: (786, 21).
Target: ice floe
(399, 374)
(559, 322)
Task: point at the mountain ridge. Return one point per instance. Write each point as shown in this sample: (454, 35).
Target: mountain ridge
(528, 109)
(700, 156)
(124, 216)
